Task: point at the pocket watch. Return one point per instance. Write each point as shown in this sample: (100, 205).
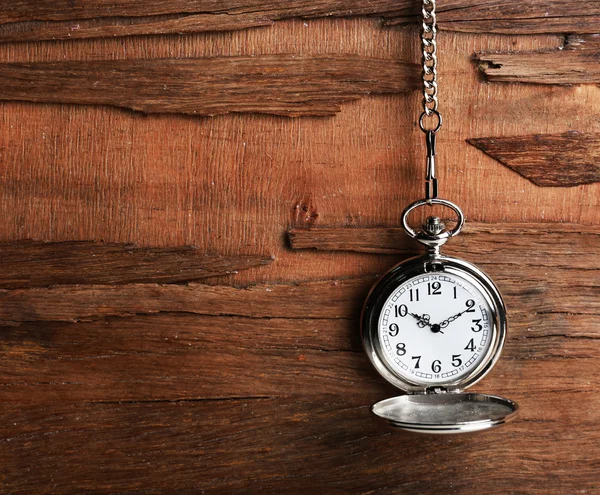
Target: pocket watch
(435, 325)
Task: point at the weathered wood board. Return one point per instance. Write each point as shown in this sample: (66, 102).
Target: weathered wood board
(257, 394)
(576, 62)
(552, 160)
(255, 382)
(289, 85)
(48, 20)
(27, 264)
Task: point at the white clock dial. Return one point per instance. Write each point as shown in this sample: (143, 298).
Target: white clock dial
(435, 328)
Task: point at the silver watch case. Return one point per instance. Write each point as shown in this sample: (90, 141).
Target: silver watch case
(462, 412)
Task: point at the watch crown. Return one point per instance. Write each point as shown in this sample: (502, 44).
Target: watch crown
(433, 226)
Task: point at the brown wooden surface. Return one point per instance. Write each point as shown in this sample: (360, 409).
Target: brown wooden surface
(48, 20)
(574, 63)
(211, 430)
(255, 382)
(566, 160)
(295, 351)
(519, 244)
(26, 264)
(289, 85)
(516, 17)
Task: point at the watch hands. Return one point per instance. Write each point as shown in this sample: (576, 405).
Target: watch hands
(423, 320)
(447, 321)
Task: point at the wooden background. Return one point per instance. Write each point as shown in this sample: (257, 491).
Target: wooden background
(235, 366)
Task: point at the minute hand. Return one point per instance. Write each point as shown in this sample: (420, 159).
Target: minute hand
(447, 321)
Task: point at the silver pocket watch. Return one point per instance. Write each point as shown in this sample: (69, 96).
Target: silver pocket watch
(433, 326)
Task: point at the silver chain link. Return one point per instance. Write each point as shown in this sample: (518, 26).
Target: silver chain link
(429, 43)
(431, 120)
(430, 123)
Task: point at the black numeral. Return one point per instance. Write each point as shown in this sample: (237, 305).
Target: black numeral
(414, 295)
(479, 326)
(470, 346)
(418, 363)
(434, 289)
(394, 329)
(456, 360)
(401, 310)
(436, 366)
(455, 292)
(401, 349)
(470, 305)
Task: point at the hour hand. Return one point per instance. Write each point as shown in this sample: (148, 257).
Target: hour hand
(423, 320)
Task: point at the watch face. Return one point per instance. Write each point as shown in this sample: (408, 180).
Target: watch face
(434, 327)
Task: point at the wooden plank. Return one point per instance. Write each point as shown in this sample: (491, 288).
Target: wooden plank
(305, 300)
(28, 20)
(108, 27)
(516, 17)
(548, 160)
(32, 20)
(281, 445)
(575, 63)
(184, 357)
(527, 244)
(22, 10)
(31, 263)
(176, 358)
(109, 168)
(88, 302)
(290, 85)
(565, 20)
(179, 356)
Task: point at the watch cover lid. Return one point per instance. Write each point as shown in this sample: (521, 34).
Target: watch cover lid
(445, 413)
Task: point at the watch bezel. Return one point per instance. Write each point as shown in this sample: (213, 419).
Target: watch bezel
(419, 266)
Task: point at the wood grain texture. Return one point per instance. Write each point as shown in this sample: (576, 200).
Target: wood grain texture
(106, 27)
(21, 10)
(232, 398)
(28, 263)
(27, 20)
(190, 357)
(274, 436)
(76, 303)
(516, 17)
(195, 418)
(33, 20)
(166, 181)
(574, 63)
(563, 160)
(555, 245)
(290, 85)
(344, 297)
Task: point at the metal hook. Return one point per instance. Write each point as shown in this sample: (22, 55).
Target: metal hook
(431, 182)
